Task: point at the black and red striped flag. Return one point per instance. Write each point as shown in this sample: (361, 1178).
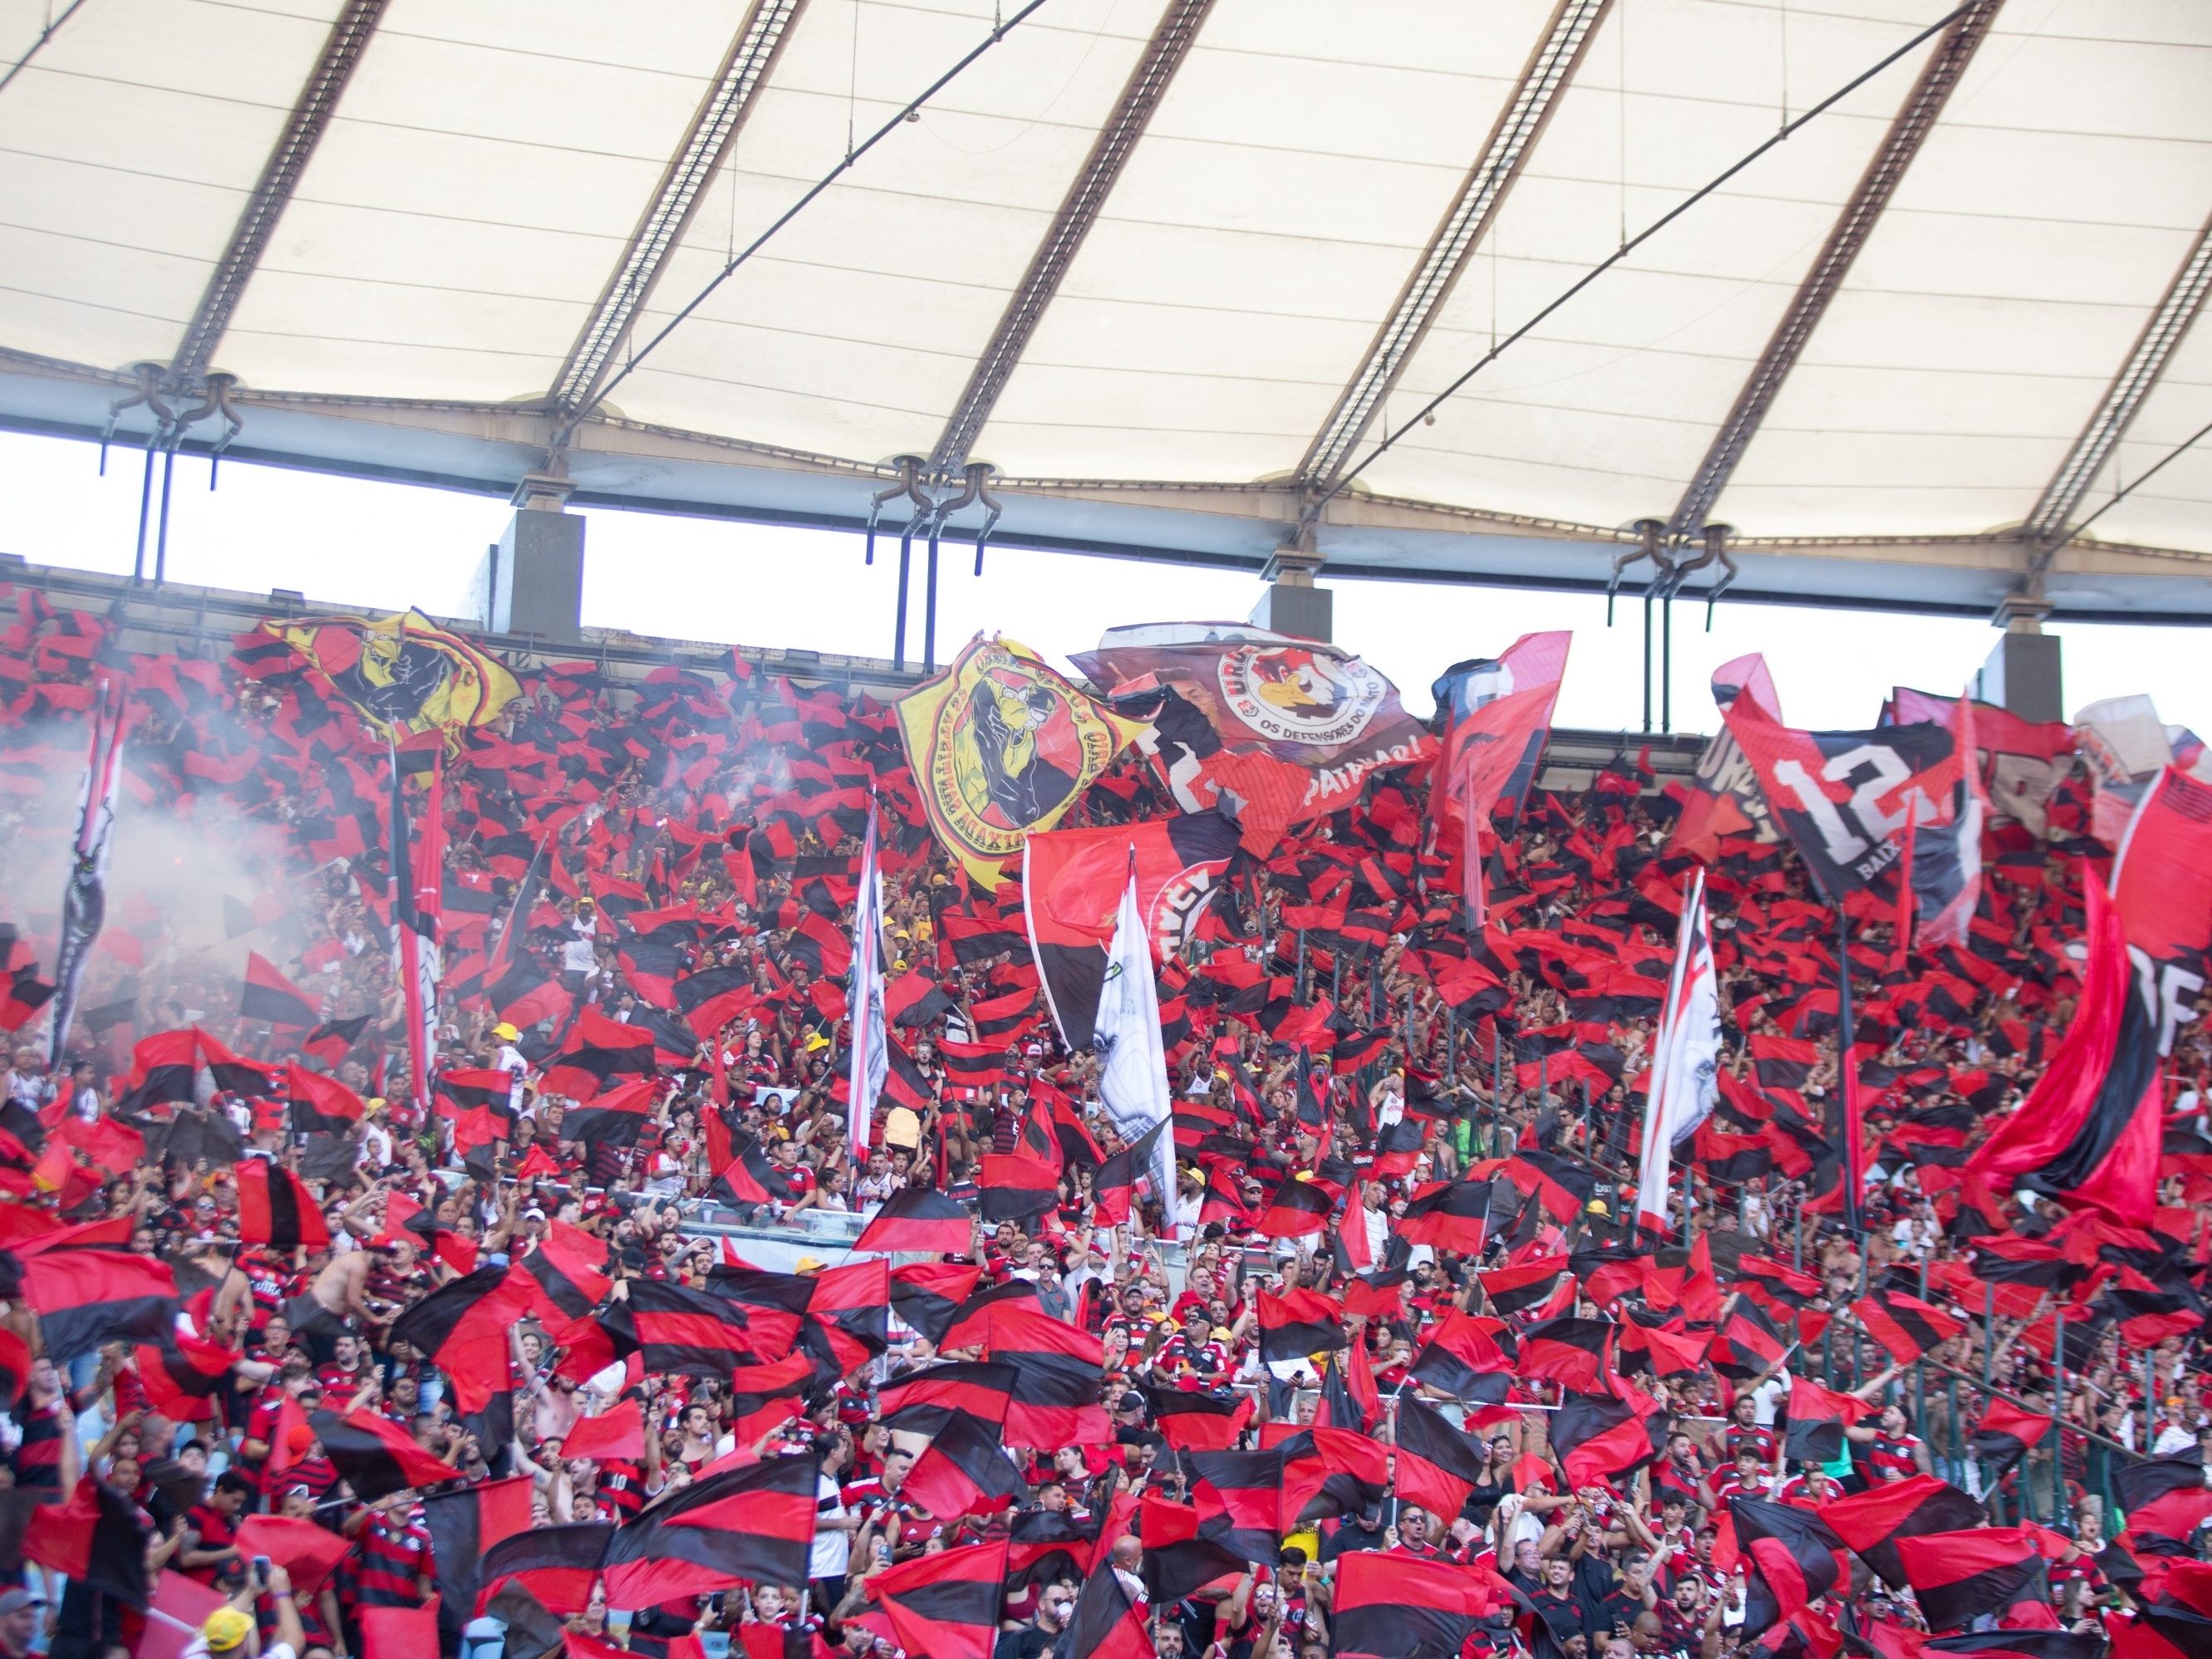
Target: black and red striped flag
(927, 1296)
(690, 1333)
(616, 1118)
(763, 1397)
(982, 1388)
(1463, 1358)
(1573, 1352)
(463, 1525)
(973, 1065)
(1906, 1326)
(964, 1469)
(1794, 1557)
(268, 996)
(755, 1523)
(1448, 1215)
(597, 1052)
(333, 1040)
(1300, 1323)
(1301, 1209)
(320, 1105)
(463, 1325)
(375, 1456)
(85, 1298)
(1438, 1466)
(1602, 1435)
(1239, 1499)
(945, 1605)
(918, 1218)
(2024, 1644)
(1044, 1545)
(1057, 1373)
(568, 1268)
(1817, 1418)
(1396, 1607)
(1958, 1576)
(2002, 1438)
(1749, 1346)
(1331, 1472)
(2164, 1495)
(847, 1317)
(1871, 1522)
(744, 1178)
(181, 1373)
(1190, 1421)
(557, 1565)
(1017, 1185)
(1108, 1624)
(96, 1538)
(1517, 1289)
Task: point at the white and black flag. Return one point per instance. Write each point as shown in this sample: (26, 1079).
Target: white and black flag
(84, 899)
(1685, 1059)
(1133, 1079)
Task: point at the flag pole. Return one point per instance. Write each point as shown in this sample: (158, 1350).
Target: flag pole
(1846, 1072)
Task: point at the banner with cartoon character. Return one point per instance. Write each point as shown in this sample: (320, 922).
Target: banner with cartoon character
(1001, 745)
(405, 673)
(1275, 729)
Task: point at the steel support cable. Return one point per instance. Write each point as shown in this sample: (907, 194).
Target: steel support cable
(2172, 454)
(998, 33)
(37, 45)
(1390, 439)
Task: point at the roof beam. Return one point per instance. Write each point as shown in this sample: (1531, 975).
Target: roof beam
(1551, 66)
(2046, 527)
(280, 176)
(715, 128)
(1947, 64)
(1079, 210)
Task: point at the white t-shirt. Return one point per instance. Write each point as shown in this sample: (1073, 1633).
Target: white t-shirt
(832, 1549)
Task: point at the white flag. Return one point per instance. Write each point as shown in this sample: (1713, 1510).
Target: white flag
(1132, 1080)
(1685, 1058)
(871, 1054)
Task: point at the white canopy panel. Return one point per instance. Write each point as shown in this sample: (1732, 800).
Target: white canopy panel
(1142, 256)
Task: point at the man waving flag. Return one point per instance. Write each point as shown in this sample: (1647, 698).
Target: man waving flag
(1685, 1058)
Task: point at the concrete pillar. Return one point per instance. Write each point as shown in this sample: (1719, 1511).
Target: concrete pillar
(531, 580)
(1291, 604)
(2022, 673)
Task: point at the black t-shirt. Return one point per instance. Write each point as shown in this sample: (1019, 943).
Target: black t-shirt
(1026, 1642)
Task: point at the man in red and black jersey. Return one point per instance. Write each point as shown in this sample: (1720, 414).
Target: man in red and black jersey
(391, 1566)
(211, 1529)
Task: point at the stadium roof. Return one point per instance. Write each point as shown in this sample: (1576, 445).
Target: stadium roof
(1174, 270)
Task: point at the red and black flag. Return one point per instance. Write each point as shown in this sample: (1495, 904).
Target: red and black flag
(375, 1456)
(1057, 1373)
(1463, 1358)
(847, 1317)
(180, 1374)
(1299, 1323)
(96, 1538)
(275, 1209)
(464, 1325)
(1301, 1209)
(689, 1333)
(1794, 1559)
(86, 1298)
(320, 1105)
(2154, 1306)
(744, 1178)
(463, 1525)
(1600, 1437)
(754, 1522)
(1871, 1522)
(2164, 1495)
(1190, 1421)
(945, 1605)
(1397, 1607)
(763, 1397)
(1749, 1346)
(1239, 1497)
(1331, 1472)
(1958, 1576)
(1016, 1185)
(965, 1469)
(598, 1051)
(568, 1267)
(1531, 1284)
(1778, 1289)
(1115, 1183)
(972, 1065)
(1573, 1352)
(163, 1069)
(268, 996)
(1108, 1624)
(1563, 1186)
(1817, 1418)
(333, 1040)
(982, 1388)
(927, 1296)
(616, 1118)
(2023, 1645)
(918, 1218)
(557, 1565)
(1438, 1465)
(2002, 1438)
(1906, 1326)
(1044, 1545)
(22, 994)
(460, 1093)
(1448, 1215)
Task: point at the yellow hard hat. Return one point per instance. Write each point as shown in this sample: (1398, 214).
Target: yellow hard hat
(227, 1628)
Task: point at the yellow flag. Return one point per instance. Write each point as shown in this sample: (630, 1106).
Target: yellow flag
(405, 673)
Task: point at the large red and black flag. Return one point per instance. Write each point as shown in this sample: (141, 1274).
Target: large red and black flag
(2021, 1645)
(1573, 1352)
(1520, 1288)
(180, 1373)
(1794, 1559)
(463, 1325)
(616, 1118)
(1016, 1185)
(1299, 1323)
(1438, 1466)
(1239, 1499)
(1817, 1418)
(964, 1468)
(1300, 1209)
(2164, 1495)
(1958, 1576)
(1463, 1358)
(1871, 1522)
(268, 996)
(1600, 1437)
(1447, 1215)
(88, 1298)
(980, 1388)
(1496, 715)
(320, 1105)
(463, 1525)
(1749, 1346)
(918, 1218)
(744, 1178)
(557, 1565)
(2002, 1438)
(597, 1052)
(1043, 1545)
(1109, 1624)
(1073, 882)
(755, 1523)
(927, 1296)
(674, 1328)
(568, 1268)
(1190, 1421)
(1331, 1472)
(1057, 1373)
(763, 1397)
(1399, 1607)
(375, 1456)
(847, 1321)
(97, 1538)
(275, 1209)
(946, 1604)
